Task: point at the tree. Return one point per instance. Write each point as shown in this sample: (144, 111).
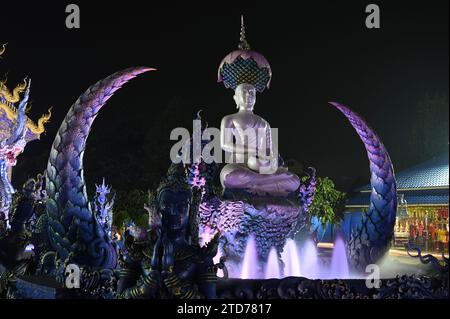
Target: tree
(328, 203)
(129, 207)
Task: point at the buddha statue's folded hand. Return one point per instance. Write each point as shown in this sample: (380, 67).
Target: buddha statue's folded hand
(263, 164)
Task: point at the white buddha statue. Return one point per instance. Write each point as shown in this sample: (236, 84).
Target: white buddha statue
(247, 137)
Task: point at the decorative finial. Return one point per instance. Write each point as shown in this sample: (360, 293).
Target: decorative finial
(3, 49)
(199, 115)
(243, 44)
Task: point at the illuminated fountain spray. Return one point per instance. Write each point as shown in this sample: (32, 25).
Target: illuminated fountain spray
(307, 264)
(310, 262)
(250, 264)
(272, 265)
(291, 259)
(339, 263)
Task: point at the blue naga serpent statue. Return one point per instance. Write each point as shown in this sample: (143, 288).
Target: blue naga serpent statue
(371, 239)
(74, 231)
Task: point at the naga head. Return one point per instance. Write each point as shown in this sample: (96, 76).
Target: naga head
(16, 129)
(13, 139)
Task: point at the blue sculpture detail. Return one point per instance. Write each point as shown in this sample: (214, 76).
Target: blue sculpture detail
(103, 207)
(73, 229)
(371, 240)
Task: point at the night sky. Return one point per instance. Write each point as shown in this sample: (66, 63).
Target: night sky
(396, 77)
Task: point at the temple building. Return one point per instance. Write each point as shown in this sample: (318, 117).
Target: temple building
(422, 214)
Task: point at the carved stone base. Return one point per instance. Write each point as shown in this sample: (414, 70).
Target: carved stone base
(270, 220)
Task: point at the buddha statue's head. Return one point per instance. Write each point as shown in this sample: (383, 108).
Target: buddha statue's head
(245, 97)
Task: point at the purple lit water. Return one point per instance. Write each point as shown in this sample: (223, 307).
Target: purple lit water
(250, 264)
(272, 265)
(291, 259)
(309, 261)
(339, 263)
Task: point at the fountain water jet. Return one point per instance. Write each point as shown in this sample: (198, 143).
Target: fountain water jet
(250, 264)
(273, 266)
(291, 259)
(310, 263)
(339, 263)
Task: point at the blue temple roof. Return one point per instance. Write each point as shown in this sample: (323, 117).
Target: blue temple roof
(430, 174)
(423, 184)
(415, 197)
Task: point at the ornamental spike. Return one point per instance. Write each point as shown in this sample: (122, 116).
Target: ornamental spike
(3, 49)
(20, 128)
(243, 44)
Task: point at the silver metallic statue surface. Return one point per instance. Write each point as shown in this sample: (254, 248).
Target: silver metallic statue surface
(247, 137)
